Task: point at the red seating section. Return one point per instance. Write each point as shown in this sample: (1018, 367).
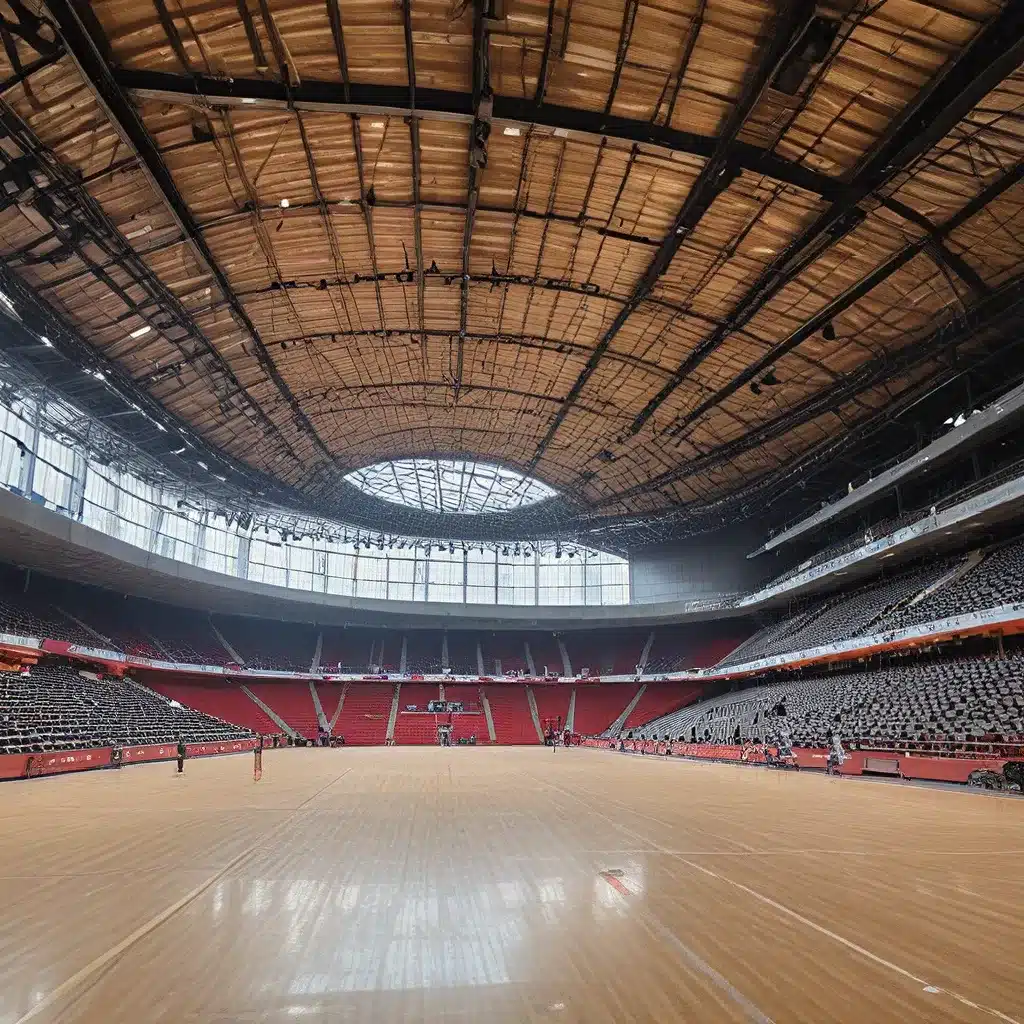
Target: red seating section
(597, 706)
(293, 702)
(417, 727)
(220, 699)
(364, 718)
(659, 699)
(552, 702)
(472, 721)
(511, 714)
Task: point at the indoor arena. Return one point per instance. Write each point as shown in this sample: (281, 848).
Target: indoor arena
(511, 511)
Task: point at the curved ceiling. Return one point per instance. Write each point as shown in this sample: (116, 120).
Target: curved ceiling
(651, 253)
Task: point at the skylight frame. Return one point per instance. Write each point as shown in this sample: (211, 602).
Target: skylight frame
(450, 486)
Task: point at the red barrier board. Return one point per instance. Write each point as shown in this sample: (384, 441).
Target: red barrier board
(16, 766)
(911, 766)
(169, 751)
(54, 762)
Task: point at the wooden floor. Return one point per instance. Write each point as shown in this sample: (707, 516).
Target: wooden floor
(504, 884)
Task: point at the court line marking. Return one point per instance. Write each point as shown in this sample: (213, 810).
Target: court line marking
(696, 962)
(795, 915)
(667, 824)
(69, 985)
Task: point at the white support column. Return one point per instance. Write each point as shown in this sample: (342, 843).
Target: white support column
(199, 539)
(242, 558)
(27, 477)
(79, 477)
(320, 563)
(156, 522)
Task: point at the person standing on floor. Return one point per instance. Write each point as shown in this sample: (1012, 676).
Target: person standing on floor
(182, 754)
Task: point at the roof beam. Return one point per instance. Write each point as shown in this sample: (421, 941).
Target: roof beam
(937, 249)
(414, 145)
(160, 309)
(872, 374)
(483, 105)
(88, 48)
(848, 298)
(938, 108)
(715, 176)
(439, 104)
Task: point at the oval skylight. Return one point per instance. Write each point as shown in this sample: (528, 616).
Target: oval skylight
(449, 486)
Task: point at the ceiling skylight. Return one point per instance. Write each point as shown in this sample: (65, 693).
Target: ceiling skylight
(449, 486)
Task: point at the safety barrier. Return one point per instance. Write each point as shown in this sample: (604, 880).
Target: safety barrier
(858, 762)
(56, 762)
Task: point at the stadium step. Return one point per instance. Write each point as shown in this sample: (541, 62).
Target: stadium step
(566, 663)
(646, 652)
(393, 716)
(235, 656)
(619, 722)
(529, 658)
(270, 713)
(532, 701)
(337, 710)
(320, 716)
(487, 710)
(314, 665)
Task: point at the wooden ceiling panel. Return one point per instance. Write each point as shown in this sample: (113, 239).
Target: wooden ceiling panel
(884, 54)
(593, 307)
(727, 44)
(986, 144)
(993, 240)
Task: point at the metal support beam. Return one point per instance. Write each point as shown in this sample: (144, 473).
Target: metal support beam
(161, 308)
(938, 108)
(414, 145)
(483, 104)
(439, 104)
(87, 49)
(873, 374)
(716, 175)
(938, 250)
(852, 295)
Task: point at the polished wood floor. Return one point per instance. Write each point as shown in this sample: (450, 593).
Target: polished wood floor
(500, 885)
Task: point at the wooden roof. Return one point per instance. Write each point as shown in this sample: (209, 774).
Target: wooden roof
(580, 237)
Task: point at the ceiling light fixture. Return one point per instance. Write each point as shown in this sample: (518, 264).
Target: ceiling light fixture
(285, 204)
(46, 341)
(139, 332)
